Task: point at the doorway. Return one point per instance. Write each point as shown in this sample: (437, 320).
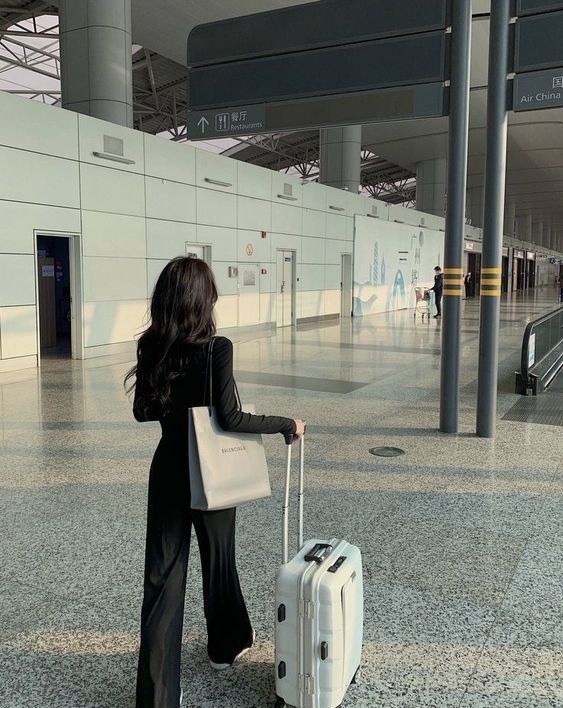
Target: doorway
(474, 267)
(285, 288)
(346, 286)
(57, 281)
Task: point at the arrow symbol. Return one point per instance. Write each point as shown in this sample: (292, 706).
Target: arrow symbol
(203, 123)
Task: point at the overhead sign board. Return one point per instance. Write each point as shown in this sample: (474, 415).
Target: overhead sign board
(311, 26)
(423, 101)
(538, 89)
(321, 72)
(318, 64)
(534, 7)
(539, 42)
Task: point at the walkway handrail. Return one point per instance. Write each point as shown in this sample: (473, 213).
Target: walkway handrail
(542, 353)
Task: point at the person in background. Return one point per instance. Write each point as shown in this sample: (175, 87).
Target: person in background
(170, 378)
(467, 283)
(438, 290)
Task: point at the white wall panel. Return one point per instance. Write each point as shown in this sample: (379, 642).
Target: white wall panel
(223, 242)
(254, 214)
(282, 184)
(312, 250)
(39, 179)
(114, 279)
(225, 284)
(113, 322)
(17, 284)
(18, 331)
(334, 250)
(39, 128)
(91, 132)
(332, 302)
(154, 269)
(113, 235)
(285, 241)
(216, 208)
(212, 169)
(311, 277)
(169, 160)
(268, 279)
(18, 221)
(337, 201)
(314, 196)
(112, 190)
(254, 181)
(261, 247)
(287, 219)
(267, 307)
(309, 304)
(170, 200)
(314, 223)
(337, 226)
(226, 311)
(333, 274)
(167, 239)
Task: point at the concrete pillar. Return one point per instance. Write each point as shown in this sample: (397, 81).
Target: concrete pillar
(431, 181)
(510, 218)
(474, 206)
(96, 74)
(341, 157)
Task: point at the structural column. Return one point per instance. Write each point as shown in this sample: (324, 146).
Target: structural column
(431, 186)
(96, 74)
(341, 157)
(495, 180)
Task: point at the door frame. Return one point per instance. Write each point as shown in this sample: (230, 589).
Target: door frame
(76, 291)
(293, 286)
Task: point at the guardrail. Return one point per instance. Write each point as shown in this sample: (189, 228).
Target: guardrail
(542, 353)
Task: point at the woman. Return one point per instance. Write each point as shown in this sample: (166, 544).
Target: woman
(171, 377)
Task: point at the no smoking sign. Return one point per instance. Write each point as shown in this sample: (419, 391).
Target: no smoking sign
(249, 249)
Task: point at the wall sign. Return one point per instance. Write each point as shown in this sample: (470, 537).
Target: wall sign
(249, 249)
(48, 271)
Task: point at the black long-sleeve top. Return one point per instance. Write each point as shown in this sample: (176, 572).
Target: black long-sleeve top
(189, 390)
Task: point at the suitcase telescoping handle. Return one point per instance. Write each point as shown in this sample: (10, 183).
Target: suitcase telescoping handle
(285, 521)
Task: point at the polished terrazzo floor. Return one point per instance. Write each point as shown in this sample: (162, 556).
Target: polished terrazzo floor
(461, 537)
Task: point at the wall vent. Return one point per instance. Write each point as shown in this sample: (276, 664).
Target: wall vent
(113, 146)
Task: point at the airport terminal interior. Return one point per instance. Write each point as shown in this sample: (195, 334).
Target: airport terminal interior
(324, 242)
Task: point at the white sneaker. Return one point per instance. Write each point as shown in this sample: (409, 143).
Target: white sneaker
(223, 667)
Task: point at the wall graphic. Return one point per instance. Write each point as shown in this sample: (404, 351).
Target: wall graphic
(390, 260)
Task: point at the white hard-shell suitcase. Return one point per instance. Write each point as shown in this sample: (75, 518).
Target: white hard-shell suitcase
(319, 615)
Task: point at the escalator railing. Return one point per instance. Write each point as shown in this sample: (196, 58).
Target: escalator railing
(542, 353)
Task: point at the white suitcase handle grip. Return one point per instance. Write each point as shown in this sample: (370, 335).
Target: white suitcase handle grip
(285, 510)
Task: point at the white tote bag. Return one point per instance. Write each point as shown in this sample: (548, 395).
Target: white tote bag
(226, 469)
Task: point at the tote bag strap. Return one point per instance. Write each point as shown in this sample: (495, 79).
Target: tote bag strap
(209, 375)
(209, 378)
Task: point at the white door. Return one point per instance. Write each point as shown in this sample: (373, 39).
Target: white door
(249, 295)
(346, 286)
(285, 288)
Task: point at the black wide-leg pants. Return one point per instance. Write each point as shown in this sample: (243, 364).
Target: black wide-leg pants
(169, 525)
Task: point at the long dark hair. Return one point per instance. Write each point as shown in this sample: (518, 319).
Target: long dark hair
(182, 307)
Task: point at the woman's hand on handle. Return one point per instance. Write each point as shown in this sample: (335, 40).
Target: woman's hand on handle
(300, 428)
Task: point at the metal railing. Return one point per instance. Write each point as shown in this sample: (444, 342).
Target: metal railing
(542, 353)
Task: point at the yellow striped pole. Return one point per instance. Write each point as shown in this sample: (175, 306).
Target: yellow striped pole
(495, 182)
